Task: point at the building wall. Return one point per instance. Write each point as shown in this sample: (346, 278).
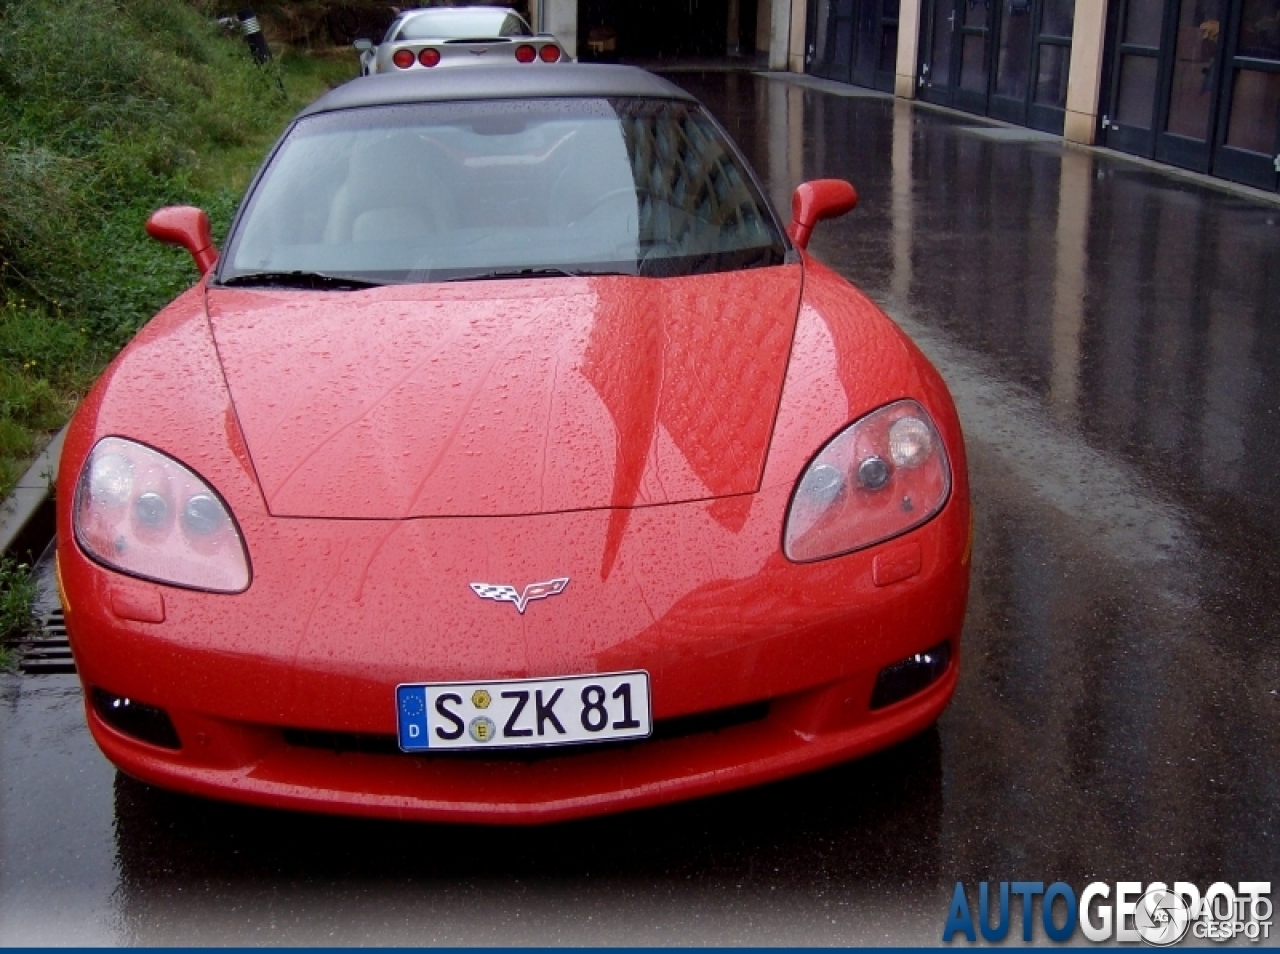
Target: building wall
(561, 18)
(780, 32)
(1084, 86)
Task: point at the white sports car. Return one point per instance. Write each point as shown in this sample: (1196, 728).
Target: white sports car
(456, 36)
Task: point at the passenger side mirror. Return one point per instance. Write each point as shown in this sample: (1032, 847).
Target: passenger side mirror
(187, 227)
(817, 200)
(364, 46)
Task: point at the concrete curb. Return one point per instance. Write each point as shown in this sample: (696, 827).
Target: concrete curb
(818, 84)
(32, 493)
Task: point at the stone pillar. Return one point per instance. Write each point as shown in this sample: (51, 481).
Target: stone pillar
(1084, 83)
(799, 11)
(908, 66)
(780, 34)
(733, 27)
(764, 25)
(561, 18)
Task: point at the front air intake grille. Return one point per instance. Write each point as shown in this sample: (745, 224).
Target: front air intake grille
(135, 719)
(713, 721)
(910, 676)
(663, 730)
(341, 742)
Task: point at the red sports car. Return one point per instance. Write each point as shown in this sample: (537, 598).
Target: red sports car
(511, 463)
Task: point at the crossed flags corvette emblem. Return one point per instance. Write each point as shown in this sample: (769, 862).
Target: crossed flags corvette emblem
(508, 594)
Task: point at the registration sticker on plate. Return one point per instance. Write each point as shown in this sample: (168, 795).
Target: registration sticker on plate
(519, 712)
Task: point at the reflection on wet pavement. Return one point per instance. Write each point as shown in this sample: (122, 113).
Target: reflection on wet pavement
(1112, 337)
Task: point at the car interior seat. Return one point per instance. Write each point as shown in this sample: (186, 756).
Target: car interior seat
(390, 193)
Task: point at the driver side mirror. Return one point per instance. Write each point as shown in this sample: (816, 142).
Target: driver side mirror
(817, 200)
(186, 227)
(364, 46)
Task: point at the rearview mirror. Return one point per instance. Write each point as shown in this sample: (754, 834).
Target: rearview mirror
(817, 200)
(186, 227)
(364, 46)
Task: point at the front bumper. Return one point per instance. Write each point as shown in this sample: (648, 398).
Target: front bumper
(800, 733)
(283, 696)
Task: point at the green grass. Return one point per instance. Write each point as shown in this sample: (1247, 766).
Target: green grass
(17, 590)
(155, 107)
(46, 363)
(110, 109)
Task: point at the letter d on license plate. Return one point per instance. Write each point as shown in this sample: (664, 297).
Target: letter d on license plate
(519, 712)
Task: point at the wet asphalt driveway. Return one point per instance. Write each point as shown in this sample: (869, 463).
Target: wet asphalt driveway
(1112, 338)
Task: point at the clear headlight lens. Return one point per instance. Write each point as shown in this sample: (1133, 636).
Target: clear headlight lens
(910, 441)
(142, 513)
(881, 476)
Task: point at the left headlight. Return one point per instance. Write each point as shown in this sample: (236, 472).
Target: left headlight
(881, 476)
(143, 513)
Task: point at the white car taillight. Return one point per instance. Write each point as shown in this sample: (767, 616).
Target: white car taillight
(881, 476)
(143, 513)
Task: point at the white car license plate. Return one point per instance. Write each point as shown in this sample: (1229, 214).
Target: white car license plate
(522, 712)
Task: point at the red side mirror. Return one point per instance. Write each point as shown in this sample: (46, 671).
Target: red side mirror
(817, 200)
(188, 227)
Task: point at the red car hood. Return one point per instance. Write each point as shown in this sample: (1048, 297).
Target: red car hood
(504, 398)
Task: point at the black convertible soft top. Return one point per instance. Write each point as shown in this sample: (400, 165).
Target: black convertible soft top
(513, 81)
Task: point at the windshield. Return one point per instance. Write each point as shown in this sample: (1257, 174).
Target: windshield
(446, 24)
(445, 191)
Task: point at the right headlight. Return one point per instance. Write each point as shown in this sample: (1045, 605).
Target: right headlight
(141, 512)
(881, 476)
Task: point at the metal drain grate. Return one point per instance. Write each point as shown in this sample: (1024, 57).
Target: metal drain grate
(47, 651)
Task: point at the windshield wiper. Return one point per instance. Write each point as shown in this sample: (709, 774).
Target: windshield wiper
(545, 271)
(299, 279)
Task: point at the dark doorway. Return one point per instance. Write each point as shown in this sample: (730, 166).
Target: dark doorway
(1003, 58)
(1196, 83)
(854, 41)
(664, 29)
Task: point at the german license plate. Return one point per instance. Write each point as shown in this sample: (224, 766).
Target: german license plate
(512, 713)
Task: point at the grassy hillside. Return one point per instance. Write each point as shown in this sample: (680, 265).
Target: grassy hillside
(108, 110)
